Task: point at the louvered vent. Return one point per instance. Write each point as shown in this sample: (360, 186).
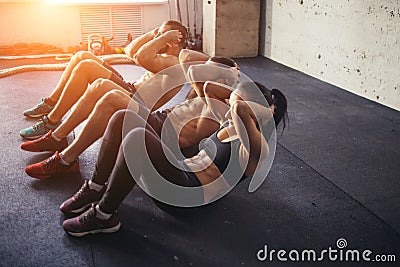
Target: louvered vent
(109, 21)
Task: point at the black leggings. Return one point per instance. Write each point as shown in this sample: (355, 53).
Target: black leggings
(141, 140)
(113, 137)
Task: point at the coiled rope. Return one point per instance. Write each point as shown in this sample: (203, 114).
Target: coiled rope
(110, 59)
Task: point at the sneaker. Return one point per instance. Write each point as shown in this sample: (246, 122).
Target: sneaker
(50, 167)
(82, 199)
(88, 223)
(41, 109)
(45, 143)
(39, 129)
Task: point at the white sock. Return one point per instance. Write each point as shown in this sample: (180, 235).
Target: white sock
(101, 214)
(63, 162)
(55, 137)
(94, 186)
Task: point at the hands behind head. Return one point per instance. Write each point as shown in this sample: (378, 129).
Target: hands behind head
(172, 37)
(256, 111)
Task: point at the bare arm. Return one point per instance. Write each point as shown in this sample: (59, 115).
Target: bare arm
(216, 95)
(187, 55)
(254, 147)
(188, 58)
(137, 43)
(148, 56)
(200, 73)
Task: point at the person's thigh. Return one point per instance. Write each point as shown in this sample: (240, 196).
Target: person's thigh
(82, 55)
(102, 86)
(156, 159)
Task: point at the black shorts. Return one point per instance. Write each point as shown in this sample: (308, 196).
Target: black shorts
(130, 87)
(155, 119)
(118, 79)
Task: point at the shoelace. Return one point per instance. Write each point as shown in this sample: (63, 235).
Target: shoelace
(42, 105)
(48, 163)
(88, 216)
(82, 191)
(40, 124)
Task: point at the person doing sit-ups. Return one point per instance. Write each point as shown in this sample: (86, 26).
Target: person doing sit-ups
(239, 148)
(190, 119)
(155, 51)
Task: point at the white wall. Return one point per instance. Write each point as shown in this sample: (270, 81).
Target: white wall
(352, 44)
(57, 25)
(154, 15)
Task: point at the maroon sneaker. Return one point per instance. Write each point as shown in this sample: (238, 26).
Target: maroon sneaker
(88, 223)
(45, 143)
(50, 167)
(82, 199)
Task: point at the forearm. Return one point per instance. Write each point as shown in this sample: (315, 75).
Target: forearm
(246, 128)
(216, 95)
(148, 52)
(201, 74)
(217, 90)
(188, 58)
(197, 86)
(136, 44)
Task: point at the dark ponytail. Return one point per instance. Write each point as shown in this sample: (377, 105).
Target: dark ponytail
(280, 103)
(273, 97)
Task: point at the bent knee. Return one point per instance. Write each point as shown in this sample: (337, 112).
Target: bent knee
(86, 66)
(99, 87)
(118, 118)
(131, 139)
(113, 100)
(98, 83)
(82, 55)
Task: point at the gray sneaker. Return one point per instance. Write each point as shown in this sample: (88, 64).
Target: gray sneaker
(39, 129)
(41, 109)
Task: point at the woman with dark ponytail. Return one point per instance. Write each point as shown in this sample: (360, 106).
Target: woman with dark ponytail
(238, 149)
(269, 98)
(280, 103)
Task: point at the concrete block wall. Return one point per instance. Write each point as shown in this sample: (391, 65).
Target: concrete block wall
(231, 28)
(352, 44)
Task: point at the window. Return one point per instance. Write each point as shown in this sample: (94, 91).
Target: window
(112, 21)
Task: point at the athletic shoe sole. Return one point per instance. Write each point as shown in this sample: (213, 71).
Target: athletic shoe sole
(46, 176)
(30, 149)
(36, 115)
(32, 137)
(107, 230)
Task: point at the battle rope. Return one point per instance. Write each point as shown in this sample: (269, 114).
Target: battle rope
(110, 59)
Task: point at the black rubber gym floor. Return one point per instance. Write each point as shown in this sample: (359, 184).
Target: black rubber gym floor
(335, 176)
